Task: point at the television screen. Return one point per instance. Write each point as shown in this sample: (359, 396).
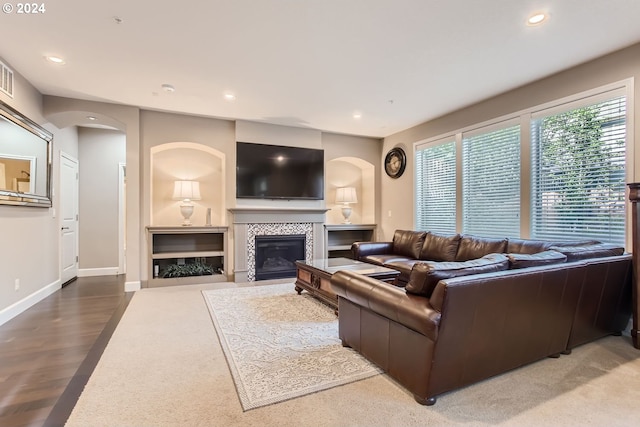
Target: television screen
(278, 172)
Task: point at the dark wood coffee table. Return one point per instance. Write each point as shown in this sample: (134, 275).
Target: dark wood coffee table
(315, 276)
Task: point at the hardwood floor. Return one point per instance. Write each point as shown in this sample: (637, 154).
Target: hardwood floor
(48, 352)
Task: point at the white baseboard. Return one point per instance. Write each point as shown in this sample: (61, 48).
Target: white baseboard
(91, 272)
(14, 309)
(132, 286)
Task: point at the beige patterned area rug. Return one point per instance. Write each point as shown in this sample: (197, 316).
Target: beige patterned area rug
(280, 345)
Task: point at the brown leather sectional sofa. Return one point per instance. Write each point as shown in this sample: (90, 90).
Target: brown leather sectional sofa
(469, 314)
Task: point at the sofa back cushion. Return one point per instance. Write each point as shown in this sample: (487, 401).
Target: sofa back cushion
(523, 260)
(408, 243)
(440, 247)
(426, 275)
(598, 250)
(526, 246)
(472, 247)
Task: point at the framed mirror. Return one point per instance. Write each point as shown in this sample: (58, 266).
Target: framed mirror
(25, 160)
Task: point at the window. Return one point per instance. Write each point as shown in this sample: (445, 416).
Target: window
(556, 174)
(491, 181)
(578, 173)
(436, 187)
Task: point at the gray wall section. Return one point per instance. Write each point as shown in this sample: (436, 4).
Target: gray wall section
(30, 236)
(100, 152)
(65, 112)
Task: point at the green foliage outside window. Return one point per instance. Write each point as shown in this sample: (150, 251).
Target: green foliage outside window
(581, 170)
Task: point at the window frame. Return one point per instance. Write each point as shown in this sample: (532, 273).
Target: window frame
(433, 144)
(525, 116)
(465, 136)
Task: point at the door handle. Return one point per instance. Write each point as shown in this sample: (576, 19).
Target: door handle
(65, 228)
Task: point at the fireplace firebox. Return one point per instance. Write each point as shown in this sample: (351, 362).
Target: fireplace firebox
(276, 255)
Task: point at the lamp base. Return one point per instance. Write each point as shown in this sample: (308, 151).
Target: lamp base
(186, 209)
(346, 213)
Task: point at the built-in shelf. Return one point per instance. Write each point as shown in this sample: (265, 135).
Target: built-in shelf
(176, 246)
(340, 237)
(187, 254)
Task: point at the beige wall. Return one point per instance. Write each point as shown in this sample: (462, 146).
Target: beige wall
(265, 133)
(342, 173)
(159, 128)
(100, 153)
(397, 195)
(353, 161)
(192, 162)
(165, 128)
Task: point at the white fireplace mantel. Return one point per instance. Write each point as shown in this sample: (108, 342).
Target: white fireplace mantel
(245, 218)
(259, 215)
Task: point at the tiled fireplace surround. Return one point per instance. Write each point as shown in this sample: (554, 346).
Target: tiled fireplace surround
(251, 222)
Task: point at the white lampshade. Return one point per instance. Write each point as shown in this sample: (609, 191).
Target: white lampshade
(346, 195)
(186, 190)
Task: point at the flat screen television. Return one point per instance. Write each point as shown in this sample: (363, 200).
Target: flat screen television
(277, 172)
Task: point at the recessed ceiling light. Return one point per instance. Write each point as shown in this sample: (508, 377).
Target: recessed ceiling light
(168, 88)
(92, 118)
(357, 115)
(537, 18)
(229, 96)
(55, 59)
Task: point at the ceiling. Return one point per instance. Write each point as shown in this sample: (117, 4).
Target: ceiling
(308, 63)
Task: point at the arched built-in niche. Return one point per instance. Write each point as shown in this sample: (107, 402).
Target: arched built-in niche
(187, 161)
(351, 172)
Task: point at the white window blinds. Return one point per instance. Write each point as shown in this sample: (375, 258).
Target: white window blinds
(578, 173)
(491, 181)
(436, 187)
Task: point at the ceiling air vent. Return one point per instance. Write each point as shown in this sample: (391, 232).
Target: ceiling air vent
(6, 79)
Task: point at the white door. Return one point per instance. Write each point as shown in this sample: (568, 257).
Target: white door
(69, 217)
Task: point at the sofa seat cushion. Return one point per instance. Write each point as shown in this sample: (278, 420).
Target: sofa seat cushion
(403, 266)
(472, 247)
(440, 247)
(598, 250)
(384, 259)
(408, 243)
(425, 275)
(524, 260)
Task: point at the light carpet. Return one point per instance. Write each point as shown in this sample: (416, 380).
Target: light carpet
(164, 367)
(280, 345)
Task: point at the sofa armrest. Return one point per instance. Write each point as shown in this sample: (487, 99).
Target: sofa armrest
(360, 250)
(414, 312)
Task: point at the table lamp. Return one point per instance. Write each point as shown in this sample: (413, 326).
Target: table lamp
(346, 196)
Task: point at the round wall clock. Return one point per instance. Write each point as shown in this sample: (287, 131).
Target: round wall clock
(395, 162)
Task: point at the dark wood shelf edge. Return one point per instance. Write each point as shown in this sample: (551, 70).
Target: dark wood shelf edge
(634, 197)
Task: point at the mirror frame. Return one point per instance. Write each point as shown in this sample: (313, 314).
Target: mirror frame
(28, 199)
